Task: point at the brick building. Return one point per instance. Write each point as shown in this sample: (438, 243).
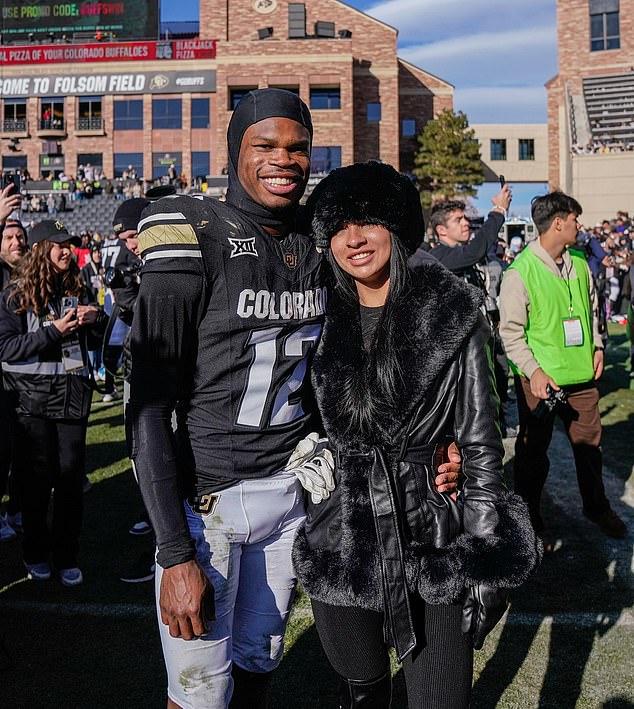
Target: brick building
(150, 104)
(591, 106)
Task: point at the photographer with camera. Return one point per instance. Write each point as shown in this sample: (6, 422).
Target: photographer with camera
(121, 263)
(122, 276)
(45, 322)
(549, 325)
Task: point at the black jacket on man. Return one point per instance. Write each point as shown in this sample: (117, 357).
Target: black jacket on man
(461, 259)
(372, 545)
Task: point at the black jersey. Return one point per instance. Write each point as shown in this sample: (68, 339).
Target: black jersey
(225, 326)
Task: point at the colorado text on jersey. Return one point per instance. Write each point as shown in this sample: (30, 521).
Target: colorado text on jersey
(291, 306)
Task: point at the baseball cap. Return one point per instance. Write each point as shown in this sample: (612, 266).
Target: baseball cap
(128, 216)
(51, 230)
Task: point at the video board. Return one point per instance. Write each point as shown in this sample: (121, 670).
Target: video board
(127, 19)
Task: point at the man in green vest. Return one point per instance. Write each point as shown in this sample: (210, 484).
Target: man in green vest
(548, 310)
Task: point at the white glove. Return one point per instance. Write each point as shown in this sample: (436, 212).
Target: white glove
(313, 468)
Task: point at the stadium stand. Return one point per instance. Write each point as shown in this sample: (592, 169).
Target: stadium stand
(94, 214)
(609, 102)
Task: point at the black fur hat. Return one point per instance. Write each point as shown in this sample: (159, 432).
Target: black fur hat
(366, 193)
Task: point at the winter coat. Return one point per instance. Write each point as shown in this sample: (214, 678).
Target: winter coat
(32, 365)
(385, 532)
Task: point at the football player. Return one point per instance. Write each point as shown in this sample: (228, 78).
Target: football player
(229, 312)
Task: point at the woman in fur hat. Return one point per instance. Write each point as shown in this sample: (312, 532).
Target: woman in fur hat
(402, 365)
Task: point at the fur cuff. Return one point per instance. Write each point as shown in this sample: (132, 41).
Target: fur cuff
(505, 559)
(327, 578)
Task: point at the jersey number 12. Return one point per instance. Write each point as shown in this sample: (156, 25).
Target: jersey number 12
(262, 385)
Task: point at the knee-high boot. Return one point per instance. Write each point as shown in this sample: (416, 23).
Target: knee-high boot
(250, 689)
(376, 694)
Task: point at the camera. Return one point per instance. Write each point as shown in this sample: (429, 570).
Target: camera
(12, 179)
(547, 406)
(114, 277)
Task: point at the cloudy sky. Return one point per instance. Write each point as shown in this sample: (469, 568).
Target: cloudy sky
(497, 53)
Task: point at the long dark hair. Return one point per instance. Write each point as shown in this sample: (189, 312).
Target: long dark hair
(380, 363)
(36, 283)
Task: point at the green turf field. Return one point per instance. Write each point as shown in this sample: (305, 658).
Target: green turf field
(567, 642)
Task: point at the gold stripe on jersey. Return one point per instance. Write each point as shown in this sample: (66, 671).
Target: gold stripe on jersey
(167, 235)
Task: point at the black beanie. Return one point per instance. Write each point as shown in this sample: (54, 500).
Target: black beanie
(366, 193)
(128, 216)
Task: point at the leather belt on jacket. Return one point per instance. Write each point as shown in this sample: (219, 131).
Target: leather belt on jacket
(398, 623)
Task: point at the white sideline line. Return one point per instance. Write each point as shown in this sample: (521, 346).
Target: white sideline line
(624, 618)
(96, 610)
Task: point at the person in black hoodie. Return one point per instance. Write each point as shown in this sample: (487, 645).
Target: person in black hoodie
(44, 323)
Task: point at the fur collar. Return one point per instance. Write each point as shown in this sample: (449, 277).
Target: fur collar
(434, 321)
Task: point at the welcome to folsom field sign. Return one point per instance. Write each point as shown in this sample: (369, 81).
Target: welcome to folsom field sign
(114, 83)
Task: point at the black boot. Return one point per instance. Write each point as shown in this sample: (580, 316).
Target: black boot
(376, 694)
(250, 689)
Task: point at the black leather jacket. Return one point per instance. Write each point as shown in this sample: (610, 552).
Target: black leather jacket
(385, 532)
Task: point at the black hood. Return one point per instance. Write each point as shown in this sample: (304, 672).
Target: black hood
(254, 107)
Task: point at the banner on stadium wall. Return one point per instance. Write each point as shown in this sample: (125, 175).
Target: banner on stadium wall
(108, 52)
(138, 82)
(125, 18)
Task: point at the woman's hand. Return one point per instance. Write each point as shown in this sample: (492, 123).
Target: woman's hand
(67, 324)
(87, 315)
(482, 609)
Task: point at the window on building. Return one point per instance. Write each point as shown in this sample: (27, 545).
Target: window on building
(167, 113)
(94, 159)
(161, 163)
(10, 163)
(123, 161)
(14, 116)
(325, 97)
(52, 113)
(408, 127)
(296, 20)
(237, 94)
(200, 113)
(89, 115)
(526, 149)
(374, 112)
(128, 114)
(325, 158)
(200, 164)
(604, 25)
(498, 149)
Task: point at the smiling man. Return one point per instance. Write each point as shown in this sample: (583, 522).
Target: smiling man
(229, 313)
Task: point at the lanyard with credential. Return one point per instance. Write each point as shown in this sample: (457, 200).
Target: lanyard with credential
(573, 331)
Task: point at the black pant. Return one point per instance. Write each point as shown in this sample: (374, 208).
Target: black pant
(111, 357)
(438, 673)
(53, 455)
(582, 422)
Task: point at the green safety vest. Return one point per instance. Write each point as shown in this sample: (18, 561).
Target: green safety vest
(550, 298)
